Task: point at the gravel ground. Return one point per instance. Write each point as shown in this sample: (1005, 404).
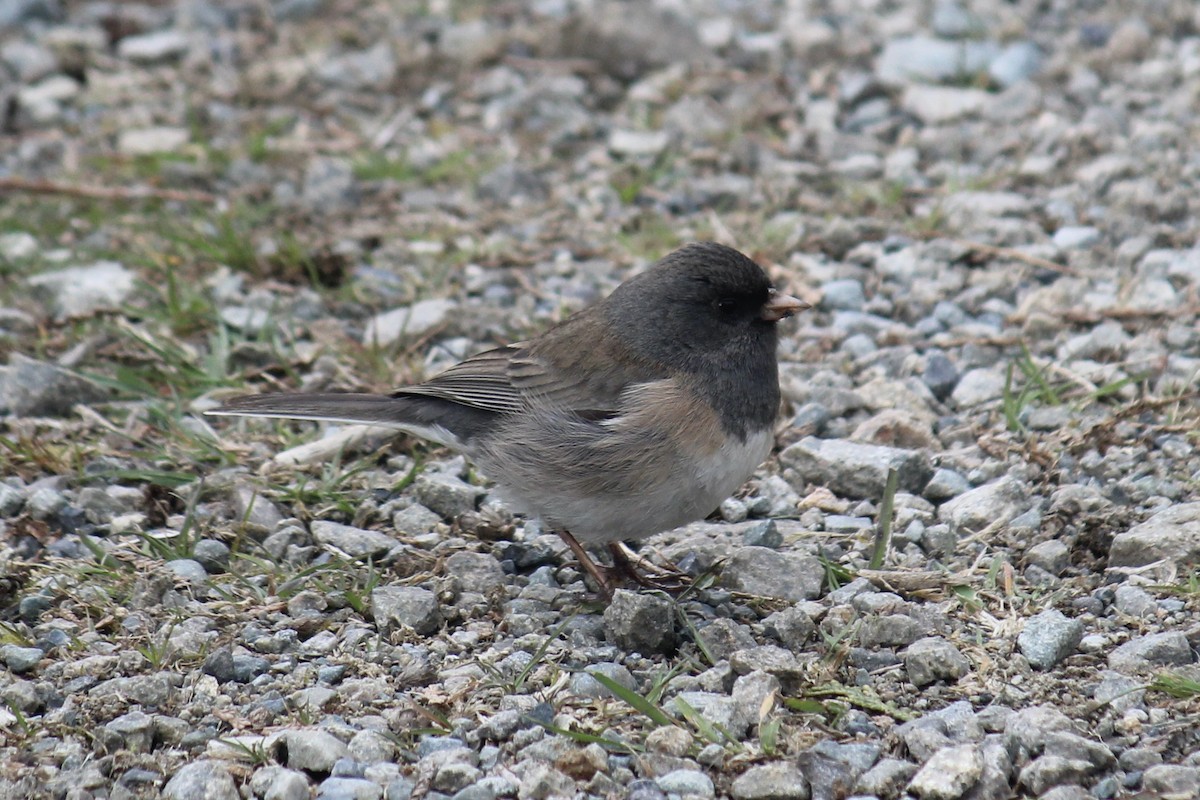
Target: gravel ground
(992, 206)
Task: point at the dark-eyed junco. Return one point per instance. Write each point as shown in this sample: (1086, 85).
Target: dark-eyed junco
(638, 414)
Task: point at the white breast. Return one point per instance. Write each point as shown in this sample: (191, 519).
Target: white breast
(666, 504)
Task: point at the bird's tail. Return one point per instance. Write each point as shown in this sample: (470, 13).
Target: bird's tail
(363, 409)
(440, 421)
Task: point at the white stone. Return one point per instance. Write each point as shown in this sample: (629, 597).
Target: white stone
(147, 141)
(410, 321)
(637, 143)
(78, 291)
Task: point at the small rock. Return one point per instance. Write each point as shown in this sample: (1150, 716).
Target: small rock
(938, 105)
(949, 773)
(476, 572)
(406, 606)
(992, 503)
(889, 630)
(1051, 555)
(133, 731)
(640, 623)
(30, 388)
(188, 569)
(1076, 237)
(768, 659)
(243, 318)
(775, 781)
(1152, 650)
(205, 779)
(80, 291)
(977, 387)
(329, 185)
(1172, 534)
(149, 141)
(1134, 601)
(313, 751)
(370, 69)
(853, 469)
(843, 295)
(687, 782)
(771, 573)
(21, 659)
(415, 520)
(584, 685)
(1172, 780)
(446, 494)
(211, 554)
(151, 48)
(354, 542)
(409, 322)
(17, 245)
(251, 507)
(934, 659)
(886, 779)
(638, 143)
(924, 58)
(940, 375)
(670, 740)
(945, 484)
(279, 783)
(1049, 637)
(1017, 62)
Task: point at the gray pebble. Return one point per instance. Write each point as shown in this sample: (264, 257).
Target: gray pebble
(12, 499)
(769, 573)
(212, 554)
(945, 484)
(354, 542)
(949, 772)
(853, 469)
(314, 751)
(934, 659)
(640, 623)
(1051, 555)
(406, 606)
(688, 782)
(475, 572)
(843, 295)
(1135, 601)
(82, 290)
(189, 570)
(763, 534)
(201, 780)
(993, 503)
(1049, 637)
(21, 659)
(1152, 650)
(774, 781)
(446, 495)
(279, 783)
(733, 510)
(886, 778)
(1076, 237)
(1017, 62)
(415, 520)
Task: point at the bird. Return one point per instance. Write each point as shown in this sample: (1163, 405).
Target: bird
(637, 414)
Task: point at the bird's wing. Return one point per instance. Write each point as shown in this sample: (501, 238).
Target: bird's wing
(542, 374)
(482, 381)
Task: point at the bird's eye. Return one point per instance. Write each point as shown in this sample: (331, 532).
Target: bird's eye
(726, 304)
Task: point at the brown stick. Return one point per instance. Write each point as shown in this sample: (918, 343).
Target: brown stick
(18, 185)
(1016, 255)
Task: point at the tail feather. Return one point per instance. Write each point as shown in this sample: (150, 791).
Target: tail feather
(439, 420)
(364, 409)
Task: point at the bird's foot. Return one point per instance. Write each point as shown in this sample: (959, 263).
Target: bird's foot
(644, 572)
(627, 566)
